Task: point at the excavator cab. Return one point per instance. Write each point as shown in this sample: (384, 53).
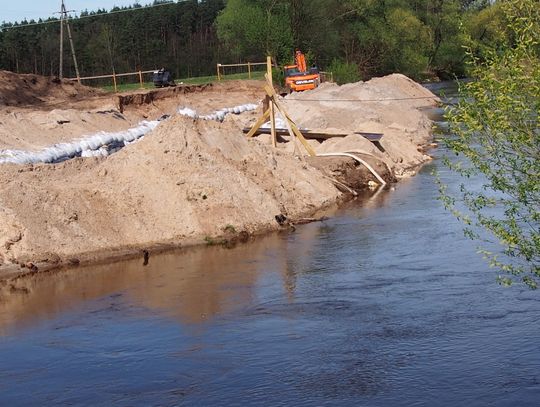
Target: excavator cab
(291, 70)
(298, 78)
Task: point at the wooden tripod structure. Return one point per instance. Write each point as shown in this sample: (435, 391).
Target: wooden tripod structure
(274, 105)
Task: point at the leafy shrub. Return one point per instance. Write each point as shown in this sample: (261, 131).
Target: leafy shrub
(344, 72)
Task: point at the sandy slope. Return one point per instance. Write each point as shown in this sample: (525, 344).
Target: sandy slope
(191, 180)
(390, 105)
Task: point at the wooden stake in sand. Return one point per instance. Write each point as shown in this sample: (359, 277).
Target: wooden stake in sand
(270, 112)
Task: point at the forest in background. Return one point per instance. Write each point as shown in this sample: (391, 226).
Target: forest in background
(356, 39)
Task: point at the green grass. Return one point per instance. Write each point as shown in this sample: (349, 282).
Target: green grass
(186, 81)
(128, 86)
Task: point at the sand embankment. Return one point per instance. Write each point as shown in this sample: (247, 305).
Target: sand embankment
(189, 181)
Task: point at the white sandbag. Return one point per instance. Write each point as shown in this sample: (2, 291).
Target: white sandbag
(218, 115)
(90, 146)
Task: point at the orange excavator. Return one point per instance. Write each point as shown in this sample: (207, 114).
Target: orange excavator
(298, 78)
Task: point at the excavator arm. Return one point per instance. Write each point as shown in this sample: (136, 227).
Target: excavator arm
(300, 59)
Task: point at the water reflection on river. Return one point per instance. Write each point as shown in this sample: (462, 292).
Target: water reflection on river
(384, 304)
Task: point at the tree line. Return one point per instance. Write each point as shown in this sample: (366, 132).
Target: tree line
(181, 36)
(356, 39)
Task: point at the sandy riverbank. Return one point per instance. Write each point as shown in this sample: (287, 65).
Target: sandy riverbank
(189, 181)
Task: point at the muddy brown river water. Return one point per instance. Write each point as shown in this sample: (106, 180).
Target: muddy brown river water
(386, 303)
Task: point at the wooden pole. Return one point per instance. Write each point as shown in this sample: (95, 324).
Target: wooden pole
(118, 75)
(114, 82)
(61, 63)
(272, 113)
(292, 126)
(259, 123)
(140, 79)
(218, 73)
(249, 70)
(71, 44)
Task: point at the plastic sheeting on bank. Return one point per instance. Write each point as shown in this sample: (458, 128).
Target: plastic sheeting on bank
(104, 143)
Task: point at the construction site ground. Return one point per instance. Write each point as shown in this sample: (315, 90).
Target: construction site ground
(188, 181)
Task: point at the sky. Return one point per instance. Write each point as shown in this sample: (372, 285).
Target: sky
(18, 10)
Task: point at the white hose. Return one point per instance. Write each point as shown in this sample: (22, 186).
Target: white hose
(369, 167)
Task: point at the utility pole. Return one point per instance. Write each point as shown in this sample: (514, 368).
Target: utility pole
(61, 63)
(64, 16)
(71, 44)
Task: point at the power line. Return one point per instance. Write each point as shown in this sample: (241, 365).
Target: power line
(362, 100)
(55, 21)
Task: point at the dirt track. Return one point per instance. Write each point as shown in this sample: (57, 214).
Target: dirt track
(187, 181)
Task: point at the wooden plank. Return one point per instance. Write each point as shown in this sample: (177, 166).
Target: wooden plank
(370, 136)
(110, 76)
(308, 134)
(269, 79)
(296, 131)
(246, 64)
(259, 123)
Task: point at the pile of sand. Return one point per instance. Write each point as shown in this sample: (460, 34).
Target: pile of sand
(187, 181)
(190, 180)
(390, 105)
(37, 129)
(67, 118)
(28, 89)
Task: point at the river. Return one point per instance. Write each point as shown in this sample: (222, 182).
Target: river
(386, 303)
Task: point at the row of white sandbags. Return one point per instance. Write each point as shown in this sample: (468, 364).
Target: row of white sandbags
(218, 115)
(85, 147)
(103, 143)
(280, 123)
